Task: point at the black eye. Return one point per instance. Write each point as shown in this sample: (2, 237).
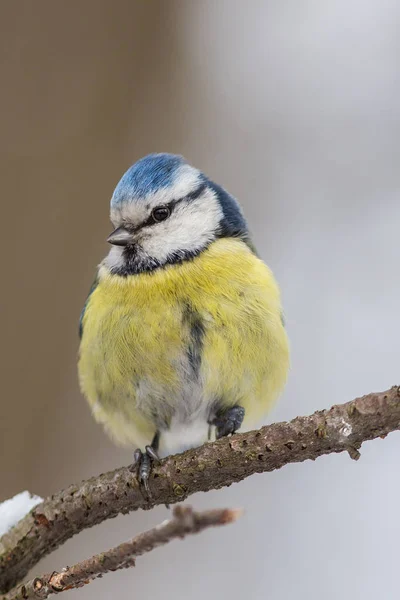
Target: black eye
(160, 213)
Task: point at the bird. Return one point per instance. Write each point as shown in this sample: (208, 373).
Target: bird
(182, 335)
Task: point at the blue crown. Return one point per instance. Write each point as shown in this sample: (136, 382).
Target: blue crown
(146, 176)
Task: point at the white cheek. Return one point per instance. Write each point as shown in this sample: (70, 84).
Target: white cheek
(191, 228)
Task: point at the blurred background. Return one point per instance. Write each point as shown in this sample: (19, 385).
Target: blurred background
(294, 107)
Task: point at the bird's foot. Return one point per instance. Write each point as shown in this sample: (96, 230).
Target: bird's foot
(142, 466)
(228, 421)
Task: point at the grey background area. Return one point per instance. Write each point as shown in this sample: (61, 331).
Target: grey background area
(294, 107)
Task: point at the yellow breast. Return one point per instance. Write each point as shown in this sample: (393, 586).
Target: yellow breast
(178, 339)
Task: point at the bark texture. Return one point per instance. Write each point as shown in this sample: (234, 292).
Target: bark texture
(343, 427)
(184, 522)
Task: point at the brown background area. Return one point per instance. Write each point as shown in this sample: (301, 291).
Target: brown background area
(294, 107)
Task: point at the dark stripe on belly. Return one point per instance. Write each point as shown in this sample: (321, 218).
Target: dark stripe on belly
(194, 322)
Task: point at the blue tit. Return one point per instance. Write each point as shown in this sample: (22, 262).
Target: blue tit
(182, 333)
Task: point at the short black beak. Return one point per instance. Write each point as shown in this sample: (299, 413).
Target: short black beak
(120, 237)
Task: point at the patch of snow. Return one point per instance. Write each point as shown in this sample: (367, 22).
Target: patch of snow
(14, 509)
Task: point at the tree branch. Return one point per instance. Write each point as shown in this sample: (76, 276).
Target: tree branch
(342, 428)
(184, 522)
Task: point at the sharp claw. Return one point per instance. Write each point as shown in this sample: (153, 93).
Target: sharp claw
(145, 482)
(142, 463)
(152, 453)
(137, 459)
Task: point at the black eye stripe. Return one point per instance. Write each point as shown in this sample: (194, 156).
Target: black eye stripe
(196, 193)
(171, 205)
